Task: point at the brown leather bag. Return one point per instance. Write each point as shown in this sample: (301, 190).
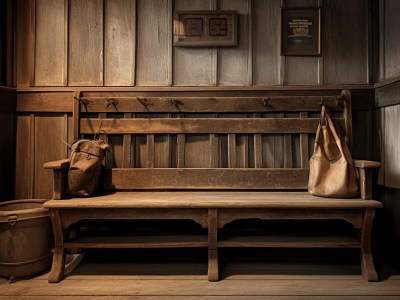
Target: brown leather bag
(85, 166)
(332, 170)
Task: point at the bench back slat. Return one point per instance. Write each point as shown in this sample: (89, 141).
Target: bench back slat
(205, 178)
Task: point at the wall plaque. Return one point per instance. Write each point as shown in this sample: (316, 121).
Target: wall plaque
(205, 28)
(301, 31)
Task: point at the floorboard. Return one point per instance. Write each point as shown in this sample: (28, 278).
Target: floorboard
(98, 277)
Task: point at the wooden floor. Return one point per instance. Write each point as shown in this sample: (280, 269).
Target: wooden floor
(94, 276)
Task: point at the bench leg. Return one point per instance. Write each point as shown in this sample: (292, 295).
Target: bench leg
(58, 266)
(212, 244)
(367, 263)
(213, 274)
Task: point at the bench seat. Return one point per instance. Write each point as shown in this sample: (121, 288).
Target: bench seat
(213, 210)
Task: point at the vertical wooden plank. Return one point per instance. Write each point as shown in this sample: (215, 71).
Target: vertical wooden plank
(257, 150)
(150, 151)
(232, 155)
(265, 42)
(48, 127)
(162, 151)
(214, 146)
(119, 42)
(25, 42)
(278, 147)
(301, 70)
(392, 32)
(127, 147)
(76, 107)
(242, 151)
(287, 154)
(392, 146)
(197, 151)
(345, 51)
(51, 42)
(304, 159)
(23, 165)
(65, 136)
(193, 66)
(180, 150)
(235, 64)
(10, 43)
(382, 37)
(85, 63)
(154, 43)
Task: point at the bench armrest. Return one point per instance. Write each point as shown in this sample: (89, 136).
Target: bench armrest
(365, 168)
(58, 164)
(60, 176)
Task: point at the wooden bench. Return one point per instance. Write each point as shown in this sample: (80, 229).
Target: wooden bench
(212, 159)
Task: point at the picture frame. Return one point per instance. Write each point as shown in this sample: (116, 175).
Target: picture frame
(205, 28)
(301, 31)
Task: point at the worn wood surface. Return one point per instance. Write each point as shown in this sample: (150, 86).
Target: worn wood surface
(187, 280)
(391, 47)
(201, 125)
(45, 102)
(51, 43)
(119, 42)
(209, 199)
(391, 146)
(265, 42)
(154, 44)
(25, 42)
(140, 52)
(24, 157)
(341, 62)
(85, 51)
(205, 178)
(235, 64)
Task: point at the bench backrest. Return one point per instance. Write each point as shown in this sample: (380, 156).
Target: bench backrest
(176, 141)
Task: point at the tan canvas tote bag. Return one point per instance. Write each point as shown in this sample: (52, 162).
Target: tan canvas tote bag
(332, 171)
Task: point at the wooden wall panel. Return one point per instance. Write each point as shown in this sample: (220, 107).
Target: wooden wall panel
(154, 42)
(25, 42)
(392, 146)
(24, 165)
(119, 42)
(235, 64)
(265, 43)
(301, 70)
(50, 135)
(85, 59)
(391, 38)
(51, 42)
(194, 66)
(345, 41)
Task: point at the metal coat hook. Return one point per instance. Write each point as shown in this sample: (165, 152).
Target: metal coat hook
(176, 103)
(145, 103)
(264, 101)
(112, 102)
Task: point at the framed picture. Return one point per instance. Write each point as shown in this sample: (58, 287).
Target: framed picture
(301, 31)
(205, 28)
